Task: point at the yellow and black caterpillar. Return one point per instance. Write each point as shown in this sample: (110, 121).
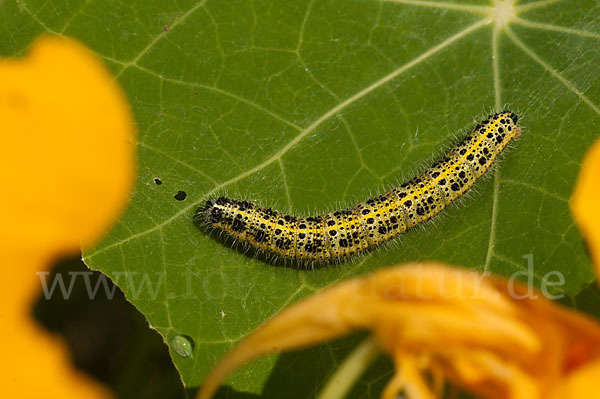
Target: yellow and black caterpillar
(339, 234)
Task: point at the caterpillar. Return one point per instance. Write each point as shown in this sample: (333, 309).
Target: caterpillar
(340, 234)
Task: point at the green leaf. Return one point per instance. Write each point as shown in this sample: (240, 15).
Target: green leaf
(309, 106)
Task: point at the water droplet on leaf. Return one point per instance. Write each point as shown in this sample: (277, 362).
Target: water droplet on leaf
(182, 345)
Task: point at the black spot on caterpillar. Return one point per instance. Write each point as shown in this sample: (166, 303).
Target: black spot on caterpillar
(339, 234)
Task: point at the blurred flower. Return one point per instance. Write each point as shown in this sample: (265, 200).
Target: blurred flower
(584, 202)
(443, 324)
(67, 165)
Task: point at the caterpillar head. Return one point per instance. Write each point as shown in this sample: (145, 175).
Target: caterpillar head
(502, 128)
(516, 132)
(214, 210)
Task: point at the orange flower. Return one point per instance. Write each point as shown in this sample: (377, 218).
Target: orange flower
(584, 202)
(439, 321)
(67, 165)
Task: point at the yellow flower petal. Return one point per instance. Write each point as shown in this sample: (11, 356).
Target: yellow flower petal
(438, 321)
(67, 165)
(581, 384)
(67, 148)
(584, 202)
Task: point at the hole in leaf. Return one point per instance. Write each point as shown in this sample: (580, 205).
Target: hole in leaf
(180, 196)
